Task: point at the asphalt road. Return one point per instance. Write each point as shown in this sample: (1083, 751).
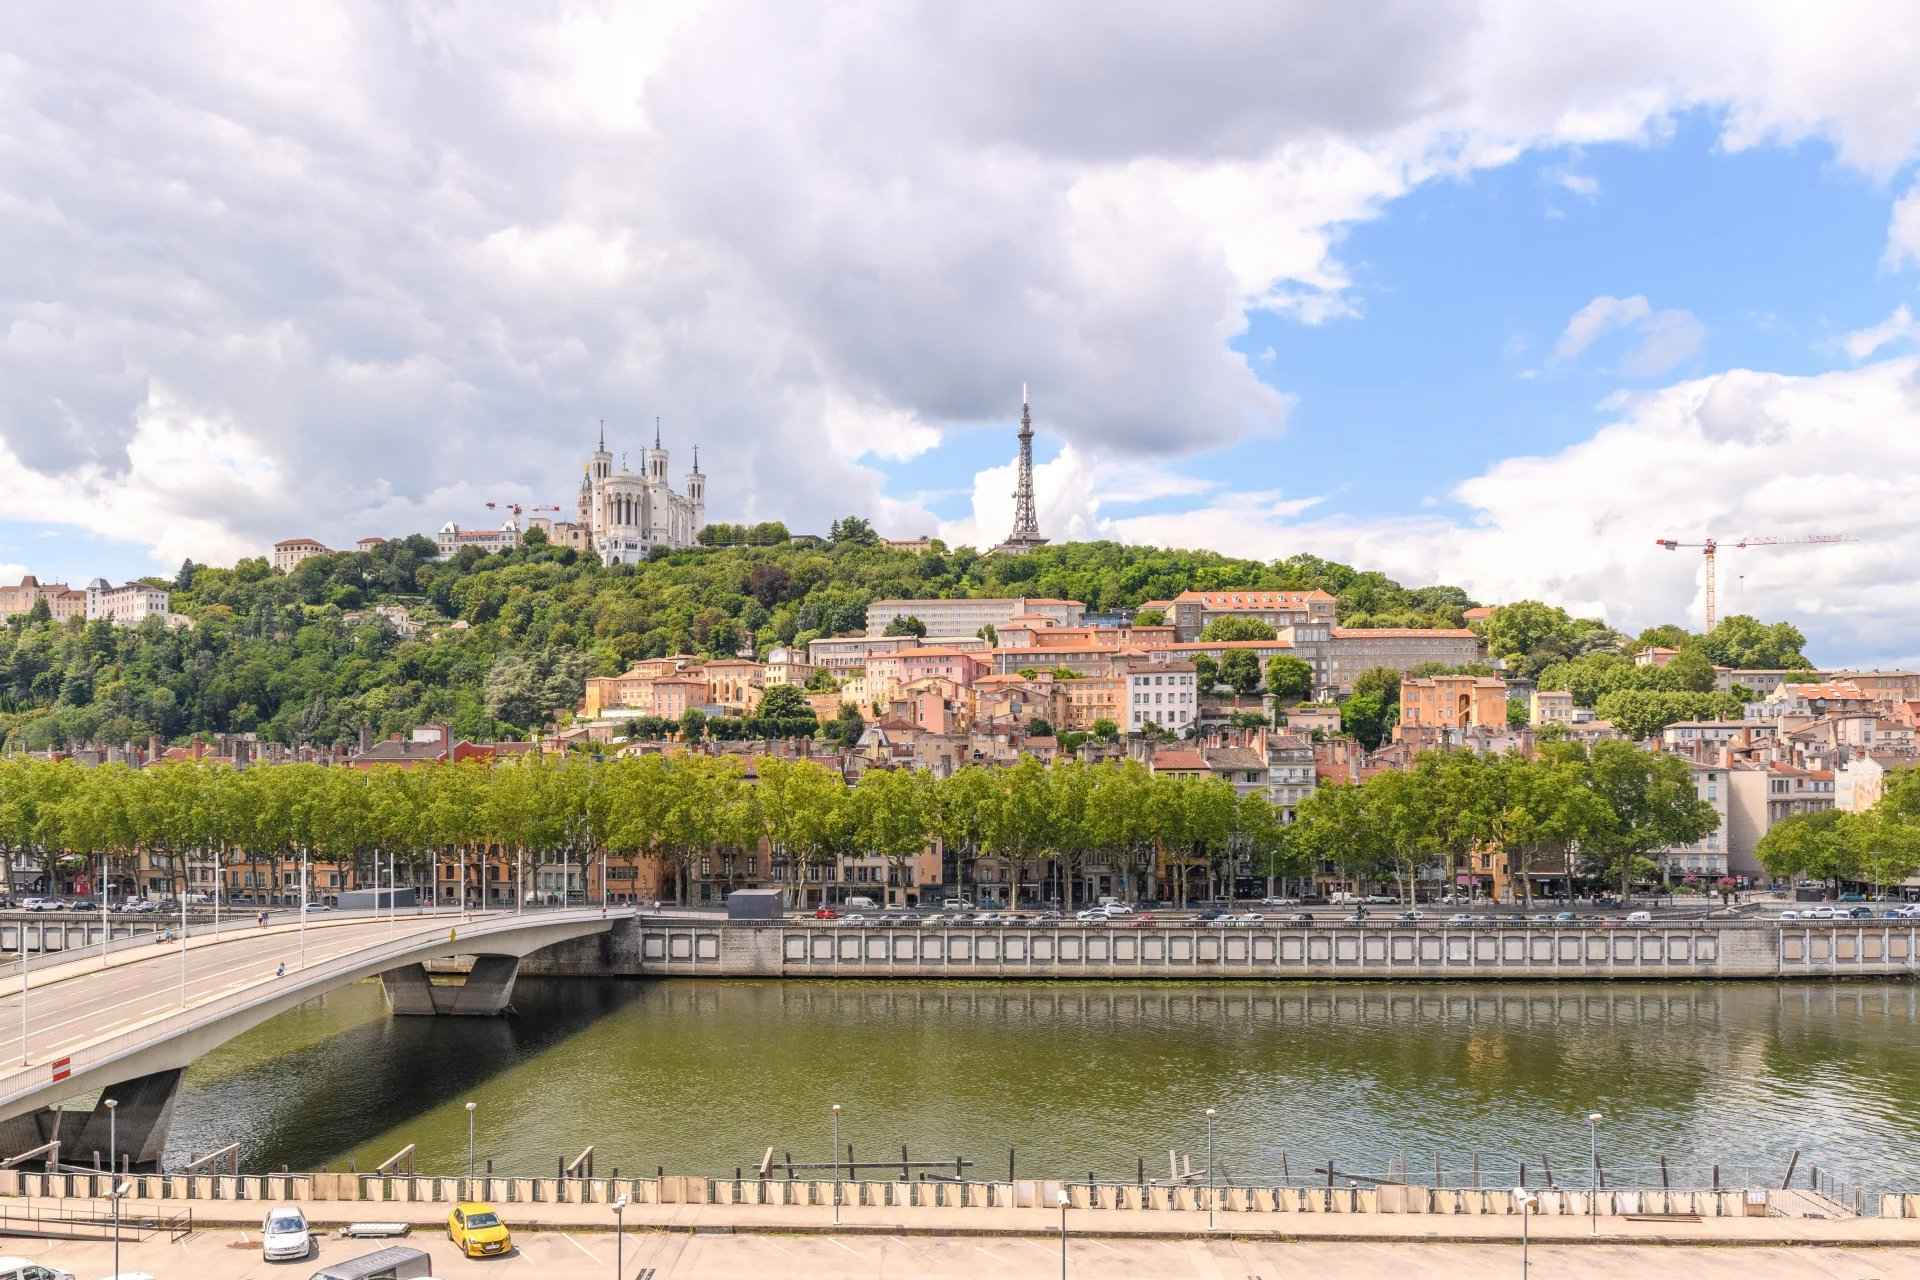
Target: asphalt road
(164, 978)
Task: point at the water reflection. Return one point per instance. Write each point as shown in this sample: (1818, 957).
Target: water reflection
(1079, 1077)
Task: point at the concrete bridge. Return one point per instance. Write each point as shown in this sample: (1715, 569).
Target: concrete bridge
(131, 1022)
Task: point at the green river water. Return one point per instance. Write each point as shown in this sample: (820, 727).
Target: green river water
(702, 1076)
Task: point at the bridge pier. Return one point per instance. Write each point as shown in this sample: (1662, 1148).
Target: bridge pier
(486, 992)
(138, 1133)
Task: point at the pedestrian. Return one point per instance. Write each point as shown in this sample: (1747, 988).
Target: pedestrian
(281, 971)
(453, 935)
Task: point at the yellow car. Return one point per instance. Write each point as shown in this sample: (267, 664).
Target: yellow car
(477, 1229)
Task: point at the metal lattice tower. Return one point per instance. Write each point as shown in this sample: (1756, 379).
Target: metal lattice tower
(1026, 524)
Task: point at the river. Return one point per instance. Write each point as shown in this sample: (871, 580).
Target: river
(702, 1076)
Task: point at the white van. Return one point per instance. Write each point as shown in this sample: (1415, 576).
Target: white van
(395, 1263)
(1639, 917)
(956, 904)
(861, 904)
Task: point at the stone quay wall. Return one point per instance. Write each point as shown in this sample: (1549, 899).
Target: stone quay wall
(662, 947)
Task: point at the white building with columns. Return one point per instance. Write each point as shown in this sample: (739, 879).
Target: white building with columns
(627, 514)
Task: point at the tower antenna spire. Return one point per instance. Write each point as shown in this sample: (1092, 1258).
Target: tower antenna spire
(696, 459)
(656, 431)
(603, 435)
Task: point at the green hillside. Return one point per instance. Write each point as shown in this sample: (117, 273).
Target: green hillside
(507, 639)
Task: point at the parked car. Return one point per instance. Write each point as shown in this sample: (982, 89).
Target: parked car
(861, 904)
(1563, 917)
(1279, 902)
(937, 917)
(1789, 915)
(395, 1262)
(284, 1234)
(826, 913)
(1118, 909)
(1860, 913)
(140, 906)
(1460, 917)
(1817, 913)
(1092, 915)
(38, 904)
(956, 904)
(854, 918)
(1248, 919)
(28, 1269)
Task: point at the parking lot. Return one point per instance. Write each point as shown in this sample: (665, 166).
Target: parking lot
(231, 1255)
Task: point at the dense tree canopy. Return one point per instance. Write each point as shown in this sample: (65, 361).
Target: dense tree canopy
(506, 639)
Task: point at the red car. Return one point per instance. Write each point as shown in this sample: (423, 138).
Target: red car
(826, 913)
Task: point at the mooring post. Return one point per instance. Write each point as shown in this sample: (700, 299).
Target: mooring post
(1476, 1170)
(1329, 1173)
(1523, 1175)
(1436, 1171)
(1009, 1164)
(1716, 1177)
(1546, 1166)
(1664, 1184)
(1284, 1175)
(905, 1174)
(1143, 1169)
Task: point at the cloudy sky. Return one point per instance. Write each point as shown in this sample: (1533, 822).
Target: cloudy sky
(1493, 292)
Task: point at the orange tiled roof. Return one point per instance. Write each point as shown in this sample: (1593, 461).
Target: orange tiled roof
(1251, 599)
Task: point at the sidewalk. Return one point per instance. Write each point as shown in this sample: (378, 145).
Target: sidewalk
(1113, 1224)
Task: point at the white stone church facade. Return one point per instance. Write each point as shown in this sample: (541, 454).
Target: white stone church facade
(626, 514)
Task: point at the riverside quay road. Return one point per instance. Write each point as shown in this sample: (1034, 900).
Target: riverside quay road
(129, 1021)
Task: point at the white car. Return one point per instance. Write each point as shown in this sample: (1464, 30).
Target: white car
(1461, 918)
(284, 1235)
(1092, 915)
(1789, 915)
(1118, 909)
(28, 1269)
(1248, 918)
(34, 904)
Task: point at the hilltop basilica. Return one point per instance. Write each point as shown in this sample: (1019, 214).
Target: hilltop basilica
(624, 516)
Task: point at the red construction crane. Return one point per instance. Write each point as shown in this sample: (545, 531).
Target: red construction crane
(1711, 548)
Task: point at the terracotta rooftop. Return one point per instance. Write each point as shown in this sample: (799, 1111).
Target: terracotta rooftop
(1178, 760)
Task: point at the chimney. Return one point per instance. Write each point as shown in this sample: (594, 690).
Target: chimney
(366, 738)
(153, 746)
(446, 743)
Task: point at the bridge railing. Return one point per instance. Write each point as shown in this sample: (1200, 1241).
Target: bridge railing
(59, 1065)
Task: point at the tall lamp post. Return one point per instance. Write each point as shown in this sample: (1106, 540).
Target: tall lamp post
(1064, 1202)
(619, 1237)
(471, 1107)
(1593, 1172)
(1210, 1190)
(113, 1174)
(1525, 1203)
(836, 1164)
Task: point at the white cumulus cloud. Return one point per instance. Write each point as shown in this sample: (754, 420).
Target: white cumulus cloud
(1899, 326)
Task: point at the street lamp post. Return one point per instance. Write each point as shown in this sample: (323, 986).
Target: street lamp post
(471, 1106)
(1525, 1203)
(619, 1238)
(1064, 1202)
(1593, 1172)
(836, 1164)
(1210, 1185)
(113, 1174)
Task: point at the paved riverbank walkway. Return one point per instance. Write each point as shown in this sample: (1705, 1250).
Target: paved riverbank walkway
(683, 1255)
(1116, 1224)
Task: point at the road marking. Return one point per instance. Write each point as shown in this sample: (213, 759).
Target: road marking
(831, 1240)
(591, 1257)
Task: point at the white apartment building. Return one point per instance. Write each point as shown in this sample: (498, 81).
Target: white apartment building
(126, 606)
(1706, 858)
(1161, 693)
(966, 617)
(288, 553)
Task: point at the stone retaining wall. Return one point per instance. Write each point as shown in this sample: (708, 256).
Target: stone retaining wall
(719, 949)
(372, 1190)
